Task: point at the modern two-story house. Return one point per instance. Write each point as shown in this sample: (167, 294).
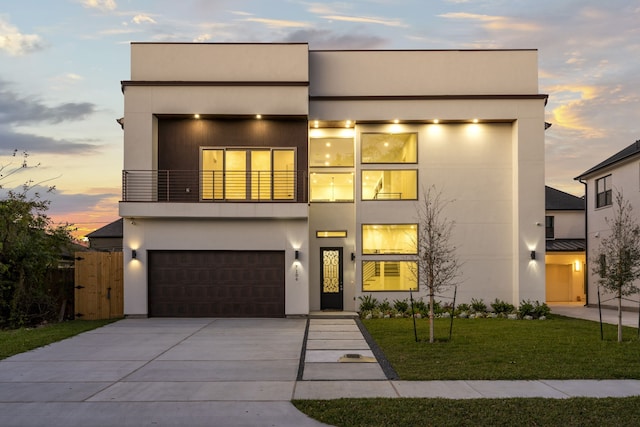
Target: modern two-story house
(270, 180)
(617, 174)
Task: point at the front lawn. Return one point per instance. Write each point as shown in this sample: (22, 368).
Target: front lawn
(14, 341)
(502, 349)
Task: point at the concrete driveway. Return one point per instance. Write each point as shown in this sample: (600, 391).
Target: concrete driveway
(160, 372)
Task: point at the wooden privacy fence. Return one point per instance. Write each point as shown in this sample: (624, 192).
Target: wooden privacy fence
(98, 285)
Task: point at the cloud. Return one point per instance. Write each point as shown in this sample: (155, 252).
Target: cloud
(17, 110)
(493, 22)
(10, 140)
(326, 39)
(141, 19)
(367, 20)
(278, 23)
(104, 5)
(16, 43)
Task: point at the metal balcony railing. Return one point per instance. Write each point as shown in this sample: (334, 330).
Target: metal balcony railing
(213, 186)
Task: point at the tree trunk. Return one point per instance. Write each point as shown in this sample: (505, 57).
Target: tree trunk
(619, 316)
(431, 316)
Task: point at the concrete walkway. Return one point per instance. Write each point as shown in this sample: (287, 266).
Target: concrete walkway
(228, 372)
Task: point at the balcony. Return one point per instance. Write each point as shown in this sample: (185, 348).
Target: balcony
(214, 194)
(214, 186)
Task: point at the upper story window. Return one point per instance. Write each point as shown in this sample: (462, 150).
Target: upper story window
(389, 148)
(390, 184)
(389, 238)
(604, 195)
(331, 152)
(247, 174)
(549, 226)
(331, 187)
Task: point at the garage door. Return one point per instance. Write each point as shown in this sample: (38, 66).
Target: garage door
(216, 283)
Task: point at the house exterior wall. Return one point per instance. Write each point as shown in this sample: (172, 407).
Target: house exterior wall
(493, 169)
(568, 224)
(625, 179)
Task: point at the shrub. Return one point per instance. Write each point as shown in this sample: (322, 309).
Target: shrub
(541, 310)
(526, 309)
(367, 303)
(420, 306)
(478, 306)
(384, 306)
(401, 305)
(463, 308)
(502, 307)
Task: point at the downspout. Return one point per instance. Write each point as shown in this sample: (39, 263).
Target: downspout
(586, 244)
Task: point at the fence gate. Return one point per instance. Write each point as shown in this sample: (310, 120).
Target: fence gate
(98, 285)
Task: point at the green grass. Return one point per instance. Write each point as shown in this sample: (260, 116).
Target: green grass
(474, 412)
(481, 349)
(501, 349)
(15, 341)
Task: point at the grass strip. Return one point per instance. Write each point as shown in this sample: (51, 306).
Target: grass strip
(474, 412)
(15, 341)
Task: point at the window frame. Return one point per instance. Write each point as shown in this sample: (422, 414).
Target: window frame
(375, 199)
(604, 198)
(248, 172)
(353, 152)
(362, 240)
(549, 227)
(398, 261)
(364, 134)
(325, 172)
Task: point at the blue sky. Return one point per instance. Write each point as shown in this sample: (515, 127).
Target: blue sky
(61, 63)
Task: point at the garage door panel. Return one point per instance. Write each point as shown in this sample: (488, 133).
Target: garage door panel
(216, 283)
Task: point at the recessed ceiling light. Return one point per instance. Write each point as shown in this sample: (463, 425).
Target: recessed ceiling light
(436, 121)
(258, 116)
(396, 121)
(196, 116)
(475, 120)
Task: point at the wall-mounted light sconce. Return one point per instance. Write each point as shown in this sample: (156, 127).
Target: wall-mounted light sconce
(134, 254)
(577, 265)
(533, 254)
(296, 255)
(353, 256)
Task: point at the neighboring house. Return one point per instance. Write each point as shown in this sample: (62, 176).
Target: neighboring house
(274, 180)
(618, 173)
(107, 238)
(565, 259)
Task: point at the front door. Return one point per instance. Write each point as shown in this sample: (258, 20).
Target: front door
(331, 278)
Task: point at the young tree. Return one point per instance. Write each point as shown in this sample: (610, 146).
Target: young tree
(617, 259)
(438, 267)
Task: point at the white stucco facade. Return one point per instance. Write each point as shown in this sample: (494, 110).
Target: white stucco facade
(485, 153)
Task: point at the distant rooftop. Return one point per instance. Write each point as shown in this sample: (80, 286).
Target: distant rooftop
(618, 157)
(110, 230)
(556, 200)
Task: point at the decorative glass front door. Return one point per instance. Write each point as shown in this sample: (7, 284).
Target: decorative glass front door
(331, 279)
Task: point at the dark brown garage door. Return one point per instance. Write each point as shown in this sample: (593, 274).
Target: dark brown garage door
(216, 283)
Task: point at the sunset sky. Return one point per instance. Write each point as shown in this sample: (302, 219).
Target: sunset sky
(61, 63)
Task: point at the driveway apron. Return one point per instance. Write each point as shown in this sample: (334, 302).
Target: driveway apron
(160, 372)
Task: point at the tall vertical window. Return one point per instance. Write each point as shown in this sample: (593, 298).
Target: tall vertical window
(549, 227)
(604, 195)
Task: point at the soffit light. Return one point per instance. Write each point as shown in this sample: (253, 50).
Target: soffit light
(196, 116)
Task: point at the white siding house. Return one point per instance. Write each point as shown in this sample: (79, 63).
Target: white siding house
(619, 173)
(274, 180)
